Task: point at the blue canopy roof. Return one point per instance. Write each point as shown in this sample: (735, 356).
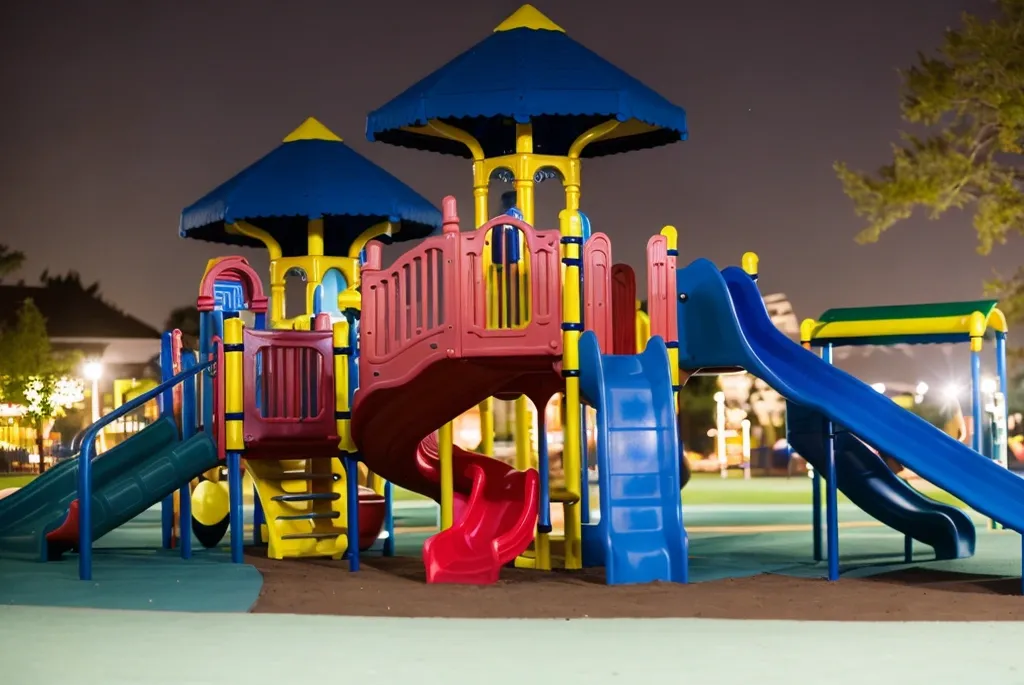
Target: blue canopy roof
(311, 175)
(529, 70)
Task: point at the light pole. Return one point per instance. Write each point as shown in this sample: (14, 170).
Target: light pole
(93, 372)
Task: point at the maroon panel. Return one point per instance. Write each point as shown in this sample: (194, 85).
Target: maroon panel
(624, 309)
(297, 386)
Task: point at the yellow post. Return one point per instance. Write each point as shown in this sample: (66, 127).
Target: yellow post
(750, 263)
(481, 210)
(672, 246)
(342, 411)
(444, 455)
(569, 225)
(524, 186)
(233, 407)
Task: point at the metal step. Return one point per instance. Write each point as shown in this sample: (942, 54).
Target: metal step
(312, 536)
(308, 497)
(309, 517)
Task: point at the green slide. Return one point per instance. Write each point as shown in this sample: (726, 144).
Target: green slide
(126, 480)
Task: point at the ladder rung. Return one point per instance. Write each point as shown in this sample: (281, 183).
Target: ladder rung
(311, 536)
(308, 517)
(308, 497)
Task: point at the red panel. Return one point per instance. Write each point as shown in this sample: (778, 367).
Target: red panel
(597, 289)
(287, 425)
(661, 289)
(624, 309)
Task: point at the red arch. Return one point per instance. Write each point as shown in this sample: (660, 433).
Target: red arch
(232, 269)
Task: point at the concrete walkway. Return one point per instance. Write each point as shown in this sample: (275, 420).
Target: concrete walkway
(39, 646)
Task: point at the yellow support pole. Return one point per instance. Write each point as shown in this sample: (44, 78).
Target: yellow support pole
(480, 196)
(342, 411)
(444, 455)
(233, 407)
(315, 237)
(572, 234)
(524, 186)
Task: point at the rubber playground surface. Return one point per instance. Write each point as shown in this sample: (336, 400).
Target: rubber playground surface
(195, 609)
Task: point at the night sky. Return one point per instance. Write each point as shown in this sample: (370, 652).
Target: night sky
(119, 113)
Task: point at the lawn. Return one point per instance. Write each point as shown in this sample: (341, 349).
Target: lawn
(710, 488)
(18, 480)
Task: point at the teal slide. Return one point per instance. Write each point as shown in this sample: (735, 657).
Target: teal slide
(127, 479)
(723, 323)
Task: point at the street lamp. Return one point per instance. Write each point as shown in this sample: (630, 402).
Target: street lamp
(93, 371)
(989, 385)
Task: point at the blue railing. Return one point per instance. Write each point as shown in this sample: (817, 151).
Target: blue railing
(88, 452)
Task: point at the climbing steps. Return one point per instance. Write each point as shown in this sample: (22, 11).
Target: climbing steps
(304, 503)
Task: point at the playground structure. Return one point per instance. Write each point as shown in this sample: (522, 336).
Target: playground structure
(360, 390)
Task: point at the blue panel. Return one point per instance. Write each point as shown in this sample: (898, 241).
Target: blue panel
(229, 296)
(640, 537)
(724, 322)
(310, 179)
(531, 75)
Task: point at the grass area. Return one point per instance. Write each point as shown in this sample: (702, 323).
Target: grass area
(17, 480)
(704, 488)
(710, 488)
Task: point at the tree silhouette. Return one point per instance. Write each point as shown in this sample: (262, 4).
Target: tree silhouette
(10, 261)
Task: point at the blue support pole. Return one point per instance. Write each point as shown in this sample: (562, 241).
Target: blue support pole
(167, 410)
(831, 490)
(88, 451)
(189, 405)
(352, 460)
(205, 350)
(1001, 363)
(976, 401)
(236, 512)
(258, 518)
(389, 519)
(352, 490)
(585, 467)
(544, 470)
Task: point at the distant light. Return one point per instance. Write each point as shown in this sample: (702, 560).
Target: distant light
(719, 396)
(989, 385)
(93, 370)
(952, 391)
(878, 387)
(921, 389)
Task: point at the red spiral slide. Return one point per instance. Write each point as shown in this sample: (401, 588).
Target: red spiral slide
(428, 355)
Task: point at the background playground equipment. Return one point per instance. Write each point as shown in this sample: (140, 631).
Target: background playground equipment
(724, 323)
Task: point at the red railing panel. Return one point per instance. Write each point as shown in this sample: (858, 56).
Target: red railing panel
(597, 289)
(661, 289)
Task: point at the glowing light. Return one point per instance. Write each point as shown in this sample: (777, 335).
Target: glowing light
(989, 385)
(93, 370)
(878, 387)
(952, 391)
(921, 389)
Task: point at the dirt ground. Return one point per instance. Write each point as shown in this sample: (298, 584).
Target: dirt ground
(396, 587)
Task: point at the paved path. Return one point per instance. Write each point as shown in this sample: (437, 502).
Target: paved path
(112, 648)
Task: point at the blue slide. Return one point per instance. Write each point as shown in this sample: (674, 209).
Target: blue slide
(640, 537)
(723, 323)
(870, 484)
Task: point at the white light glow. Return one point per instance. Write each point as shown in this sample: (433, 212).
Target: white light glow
(921, 389)
(989, 385)
(952, 391)
(93, 370)
(878, 387)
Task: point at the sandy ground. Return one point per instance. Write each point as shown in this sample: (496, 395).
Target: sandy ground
(396, 587)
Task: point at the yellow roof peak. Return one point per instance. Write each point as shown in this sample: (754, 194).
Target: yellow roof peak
(311, 129)
(528, 17)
